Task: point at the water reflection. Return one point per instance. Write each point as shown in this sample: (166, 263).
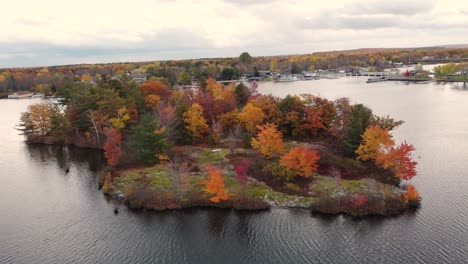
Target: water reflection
(65, 156)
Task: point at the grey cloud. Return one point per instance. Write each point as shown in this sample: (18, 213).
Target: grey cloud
(392, 7)
(174, 42)
(331, 21)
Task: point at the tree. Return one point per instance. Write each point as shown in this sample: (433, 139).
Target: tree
(149, 140)
(386, 122)
(36, 121)
(314, 120)
(215, 185)
(375, 142)
(251, 116)
(185, 78)
(242, 94)
(112, 150)
(273, 65)
(229, 73)
(241, 172)
(358, 122)
(301, 160)
(342, 118)
(120, 121)
(399, 161)
(195, 122)
(245, 58)
(157, 88)
(152, 101)
(269, 140)
(411, 195)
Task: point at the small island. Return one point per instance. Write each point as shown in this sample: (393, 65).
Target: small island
(229, 146)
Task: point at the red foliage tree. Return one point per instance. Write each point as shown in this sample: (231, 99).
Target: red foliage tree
(314, 120)
(112, 149)
(241, 172)
(402, 164)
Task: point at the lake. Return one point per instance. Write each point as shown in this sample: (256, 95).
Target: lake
(50, 216)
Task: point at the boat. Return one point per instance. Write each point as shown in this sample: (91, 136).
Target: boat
(423, 82)
(36, 95)
(372, 80)
(20, 95)
(287, 78)
(308, 77)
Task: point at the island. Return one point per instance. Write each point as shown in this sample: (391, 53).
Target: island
(228, 146)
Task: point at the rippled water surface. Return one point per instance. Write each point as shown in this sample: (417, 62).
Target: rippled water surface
(49, 216)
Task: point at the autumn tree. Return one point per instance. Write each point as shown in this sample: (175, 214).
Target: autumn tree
(215, 185)
(301, 160)
(241, 172)
(313, 120)
(399, 161)
(375, 142)
(156, 88)
(121, 119)
(36, 121)
(274, 65)
(341, 120)
(269, 140)
(112, 150)
(411, 195)
(251, 116)
(195, 123)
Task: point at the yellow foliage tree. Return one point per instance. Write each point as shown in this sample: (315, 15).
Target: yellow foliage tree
(251, 116)
(269, 140)
(123, 116)
(195, 122)
(375, 141)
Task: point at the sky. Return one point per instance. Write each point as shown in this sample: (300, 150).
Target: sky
(57, 32)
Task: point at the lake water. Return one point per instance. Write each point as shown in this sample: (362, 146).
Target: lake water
(50, 216)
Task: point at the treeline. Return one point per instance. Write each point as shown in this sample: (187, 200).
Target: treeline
(51, 79)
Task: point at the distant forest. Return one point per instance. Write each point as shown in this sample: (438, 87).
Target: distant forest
(171, 72)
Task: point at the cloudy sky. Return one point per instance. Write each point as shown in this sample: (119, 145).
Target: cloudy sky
(51, 32)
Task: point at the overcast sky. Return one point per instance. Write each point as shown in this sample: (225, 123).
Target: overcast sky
(51, 32)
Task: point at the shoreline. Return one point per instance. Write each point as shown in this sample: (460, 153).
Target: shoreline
(155, 188)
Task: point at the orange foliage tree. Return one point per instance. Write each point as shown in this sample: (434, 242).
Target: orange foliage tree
(301, 160)
(411, 195)
(269, 140)
(157, 88)
(112, 149)
(215, 185)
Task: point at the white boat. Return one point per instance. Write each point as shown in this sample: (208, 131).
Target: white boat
(37, 95)
(380, 79)
(287, 78)
(20, 95)
(308, 77)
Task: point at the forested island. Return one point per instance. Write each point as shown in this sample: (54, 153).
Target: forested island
(229, 146)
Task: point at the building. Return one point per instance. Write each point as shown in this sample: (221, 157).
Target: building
(138, 77)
